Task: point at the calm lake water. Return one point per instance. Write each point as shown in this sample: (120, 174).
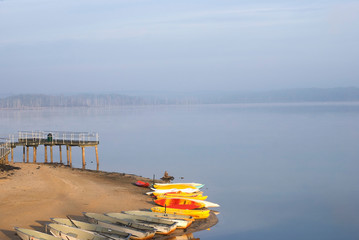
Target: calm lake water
(278, 171)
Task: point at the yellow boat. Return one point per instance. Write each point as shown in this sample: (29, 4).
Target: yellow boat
(197, 214)
(178, 194)
(172, 186)
(181, 196)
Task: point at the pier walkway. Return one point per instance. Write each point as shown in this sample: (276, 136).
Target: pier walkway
(34, 139)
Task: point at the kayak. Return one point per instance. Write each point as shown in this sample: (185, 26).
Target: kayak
(197, 214)
(181, 220)
(142, 184)
(162, 226)
(197, 185)
(109, 232)
(178, 193)
(179, 203)
(170, 186)
(186, 190)
(27, 234)
(194, 196)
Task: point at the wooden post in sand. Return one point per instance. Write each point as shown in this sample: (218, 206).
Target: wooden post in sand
(23, 153)
(7, 159)
(51, 155)
(45, 153)
(83, 158)
(67, 154)
(70, 154)
(12, 155)
(27, 154)
(34, 157)
(98, 163)
(60, 153)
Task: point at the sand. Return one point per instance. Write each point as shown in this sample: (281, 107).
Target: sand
(32, 194)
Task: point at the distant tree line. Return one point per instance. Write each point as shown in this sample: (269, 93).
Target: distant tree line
(83, 100)
(108, 100)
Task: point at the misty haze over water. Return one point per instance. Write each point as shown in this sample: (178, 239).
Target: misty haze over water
(278, 171)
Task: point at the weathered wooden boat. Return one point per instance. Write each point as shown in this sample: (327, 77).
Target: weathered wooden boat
(72, 233)
(186, 190)
(92, 227)
(138, 231)
(181, 220)
(197, 185)
(197, 214)
(162, 226)
(29, 234)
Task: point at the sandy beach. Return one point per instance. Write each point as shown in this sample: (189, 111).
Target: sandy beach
(31, 194)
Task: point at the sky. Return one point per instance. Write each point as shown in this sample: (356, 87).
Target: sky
(107, 46)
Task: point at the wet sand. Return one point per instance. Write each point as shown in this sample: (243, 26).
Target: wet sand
(34, 193)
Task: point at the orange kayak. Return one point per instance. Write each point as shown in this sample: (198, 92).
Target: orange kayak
(179, 203)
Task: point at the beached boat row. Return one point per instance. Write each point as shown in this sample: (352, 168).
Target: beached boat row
(178, 212)
(116, 226)
(181, 198)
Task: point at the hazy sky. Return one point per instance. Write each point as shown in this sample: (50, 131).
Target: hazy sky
(63, 46)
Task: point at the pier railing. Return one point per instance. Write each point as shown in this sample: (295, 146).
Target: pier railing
(4, 148)
(34, 139)
(55, 138)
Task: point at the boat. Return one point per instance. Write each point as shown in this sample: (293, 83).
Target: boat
(93, 228)
(72, 233)
(162, 226)
(29, 234)
(197, 185)
(179, 193)
(186, 190)
(138, 231)
(142, 184)
(171, 202)
(171, 186)
(181, 220)
(174, 195)
(196, 214)
(178, 203)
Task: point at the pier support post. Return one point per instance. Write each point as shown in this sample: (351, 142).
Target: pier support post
(7, 159)
(60, 153)
(70, 154)
(12, 155)
(67, 155)
(83, 158)
(98, 163)
(23, 153)
(27, 154)
(51, 154)
(45, 146)
(34, 157)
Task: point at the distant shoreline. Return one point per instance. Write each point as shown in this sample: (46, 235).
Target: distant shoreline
(249, 104)
(306, 95)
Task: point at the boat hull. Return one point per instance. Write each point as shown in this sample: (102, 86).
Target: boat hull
(179, 203)
(26, 234)
(162, 226)
(196, 214)
(181, 220)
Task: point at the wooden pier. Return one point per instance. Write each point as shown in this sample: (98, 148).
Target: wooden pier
(4, 151)
(34, 139)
